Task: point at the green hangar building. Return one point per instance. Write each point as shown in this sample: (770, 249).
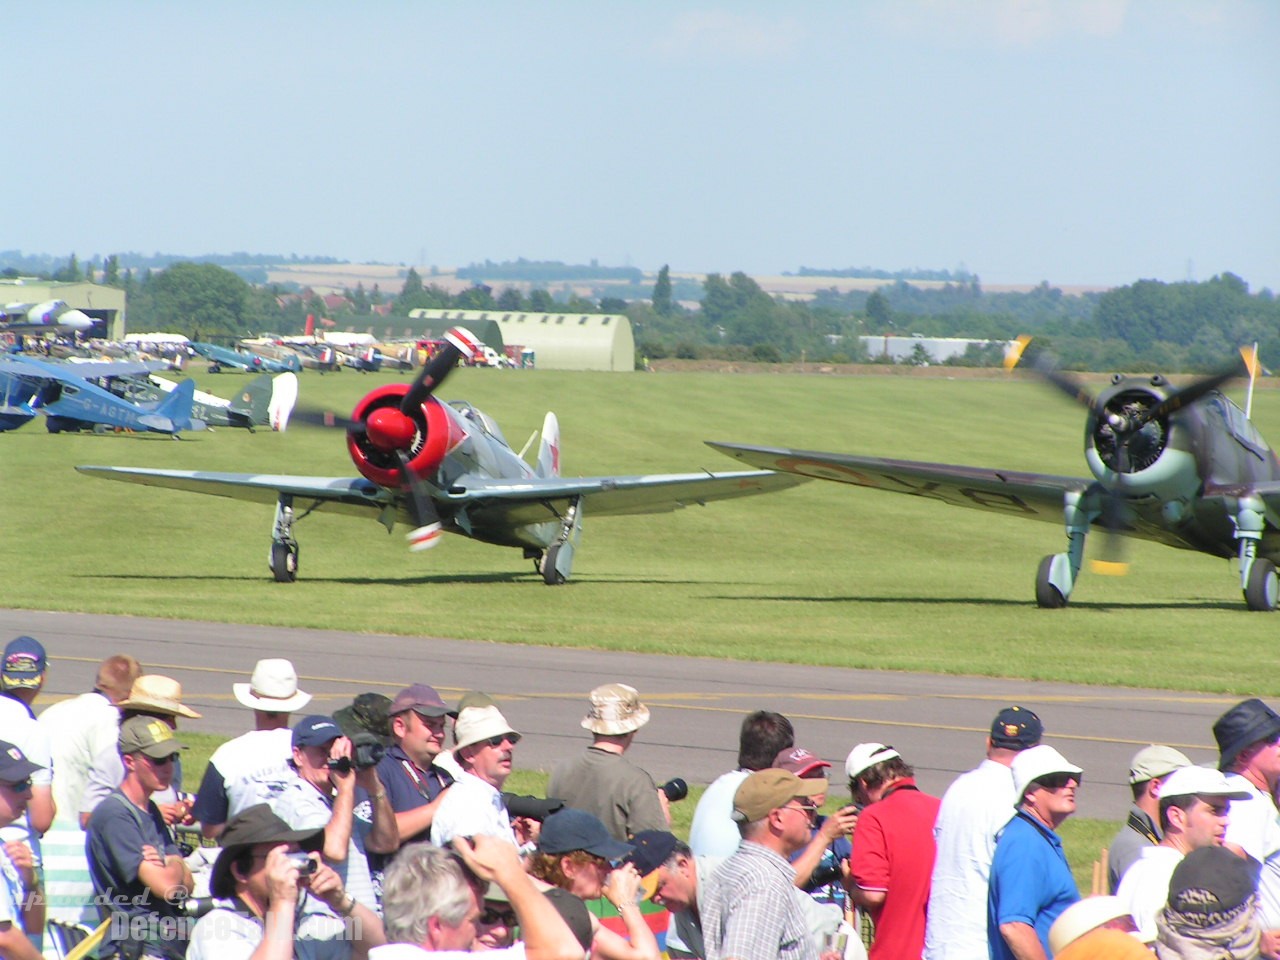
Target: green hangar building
(560, 341)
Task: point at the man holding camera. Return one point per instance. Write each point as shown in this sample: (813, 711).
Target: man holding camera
(264, 870)
(328, 790)
(601, 780)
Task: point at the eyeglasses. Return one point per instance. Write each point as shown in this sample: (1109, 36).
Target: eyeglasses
(22, 786)
(511, 738)
(496, 916)
(161, 761)
(1056, 781)
(810, 810)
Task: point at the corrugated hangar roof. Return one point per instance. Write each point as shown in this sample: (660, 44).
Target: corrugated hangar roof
(561, 341)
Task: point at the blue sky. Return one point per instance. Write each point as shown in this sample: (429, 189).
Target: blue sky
(1083, 142)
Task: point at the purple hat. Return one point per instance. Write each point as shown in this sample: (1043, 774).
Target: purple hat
(421, 699)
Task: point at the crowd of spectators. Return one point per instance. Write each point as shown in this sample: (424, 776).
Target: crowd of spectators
(383, 831)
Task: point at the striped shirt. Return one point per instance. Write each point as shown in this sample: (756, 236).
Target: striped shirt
(751, 909)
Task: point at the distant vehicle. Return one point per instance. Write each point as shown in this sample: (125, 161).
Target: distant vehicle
(445, 467)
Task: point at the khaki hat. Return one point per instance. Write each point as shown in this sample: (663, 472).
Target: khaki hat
(1154, 762)
(475, 724)
(767, 790)
(150, 736)
(615, 709)
(1083, 916)
(273, 688)
(159, 694)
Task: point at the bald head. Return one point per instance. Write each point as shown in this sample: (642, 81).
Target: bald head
(116, 675)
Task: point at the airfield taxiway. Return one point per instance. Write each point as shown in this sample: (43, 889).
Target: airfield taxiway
(937, 722)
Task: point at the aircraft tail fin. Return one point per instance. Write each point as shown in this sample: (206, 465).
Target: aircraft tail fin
(549, 448)
(253, 400)
(284, 394)
(173, 413)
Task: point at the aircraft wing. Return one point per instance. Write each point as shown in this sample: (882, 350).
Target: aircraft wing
(350, 495)
(538, 499)
(1036, 496)
(73, 372)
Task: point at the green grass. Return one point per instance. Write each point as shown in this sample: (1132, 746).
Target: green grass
(820, 574)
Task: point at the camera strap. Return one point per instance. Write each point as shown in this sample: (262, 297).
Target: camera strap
(419, 783)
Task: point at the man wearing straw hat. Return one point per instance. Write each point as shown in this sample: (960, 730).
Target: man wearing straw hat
(474, 805)
(231, 778)
(601, 780)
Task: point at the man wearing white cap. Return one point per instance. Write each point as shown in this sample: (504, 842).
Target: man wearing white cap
(1193, 814)
(1147, 770)
(891, 865)
(1031, 883)
(261, 754)
(473, 805)
(601, 780)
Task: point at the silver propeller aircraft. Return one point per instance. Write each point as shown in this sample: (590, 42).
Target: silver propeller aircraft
(445, 467)
(1184, 468)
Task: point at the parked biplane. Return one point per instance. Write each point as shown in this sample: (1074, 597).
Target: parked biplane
(1183, 467)
(66, 394)
(446, 467)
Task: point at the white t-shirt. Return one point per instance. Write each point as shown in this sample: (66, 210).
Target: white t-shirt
(18, 727)
(714, 832)
(471, 807)
(227, 935)
(1254, 826)
(249, 759)
(974, 809)
(408, 951)
(1144, 888)
(78, 729)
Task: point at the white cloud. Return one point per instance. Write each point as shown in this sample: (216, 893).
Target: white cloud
(723, 33)
(1015, 23)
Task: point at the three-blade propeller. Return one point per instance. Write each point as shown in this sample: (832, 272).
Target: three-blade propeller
(394, 431)
(1127, 424)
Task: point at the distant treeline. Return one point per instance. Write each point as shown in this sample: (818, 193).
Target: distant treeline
(546, 271)
(959, 275)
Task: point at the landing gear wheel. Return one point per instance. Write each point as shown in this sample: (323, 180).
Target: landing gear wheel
(550, 575)
(284, 562)
(215, 368)
(1047, 595)
(1263, 590)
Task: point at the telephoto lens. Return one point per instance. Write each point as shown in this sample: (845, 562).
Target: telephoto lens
(675, 789)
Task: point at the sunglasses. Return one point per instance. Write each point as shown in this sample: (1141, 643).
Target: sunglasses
(161, 761)
(22, 786)
(496, 916)
(500, 739)
(1056, 781)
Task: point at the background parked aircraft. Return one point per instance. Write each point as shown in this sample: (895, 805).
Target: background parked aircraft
(220, 357)
(66, 395)
(446, 467)
(1181, 467)
(50, 316)
(266, 401)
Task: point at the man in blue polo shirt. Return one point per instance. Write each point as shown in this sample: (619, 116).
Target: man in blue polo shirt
(1031, 883)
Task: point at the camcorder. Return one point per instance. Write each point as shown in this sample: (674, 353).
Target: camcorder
(366, 752)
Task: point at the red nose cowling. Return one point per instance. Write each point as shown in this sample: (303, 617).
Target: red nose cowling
(426, 435)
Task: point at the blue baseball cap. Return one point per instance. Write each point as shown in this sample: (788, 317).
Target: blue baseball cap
(24, 664)
(315, 731)
(569, 829)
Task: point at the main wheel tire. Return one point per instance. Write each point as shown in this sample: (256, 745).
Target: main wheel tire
(1263, 589)
(284, 562)
(550, 575)
(1048, 596)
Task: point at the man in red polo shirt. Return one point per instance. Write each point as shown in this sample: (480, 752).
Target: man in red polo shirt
(893, 848)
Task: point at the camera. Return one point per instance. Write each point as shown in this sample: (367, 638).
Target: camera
(365, 754)
(197, 907)
(305, 864)
(534, 808)
(675, 789)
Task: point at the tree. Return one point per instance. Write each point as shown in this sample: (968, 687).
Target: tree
(540, 301)
(478, 296)
(111, 271)
(878, 313)
(663, 305)
(190, 296)
(510, 299)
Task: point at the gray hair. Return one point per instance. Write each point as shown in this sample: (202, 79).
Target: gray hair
(423, 882)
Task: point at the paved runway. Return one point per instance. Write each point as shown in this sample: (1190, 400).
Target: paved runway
(937, 722)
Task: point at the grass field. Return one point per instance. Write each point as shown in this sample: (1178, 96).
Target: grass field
(819, 574)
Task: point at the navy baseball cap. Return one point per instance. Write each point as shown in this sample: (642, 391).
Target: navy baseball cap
(14, 766)
(315, 731)
(569, 829)
(1016, 728)
(24, 664)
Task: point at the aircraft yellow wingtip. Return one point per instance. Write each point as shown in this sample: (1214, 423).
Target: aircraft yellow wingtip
(1109, 568)
(1014, 355)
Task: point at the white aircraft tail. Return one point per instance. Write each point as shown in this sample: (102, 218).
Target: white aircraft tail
(549, 448)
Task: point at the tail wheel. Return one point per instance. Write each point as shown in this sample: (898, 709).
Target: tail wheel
(1047, 595)
(1263, 590)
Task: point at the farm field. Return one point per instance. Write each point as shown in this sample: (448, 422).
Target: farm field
(819, 574)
